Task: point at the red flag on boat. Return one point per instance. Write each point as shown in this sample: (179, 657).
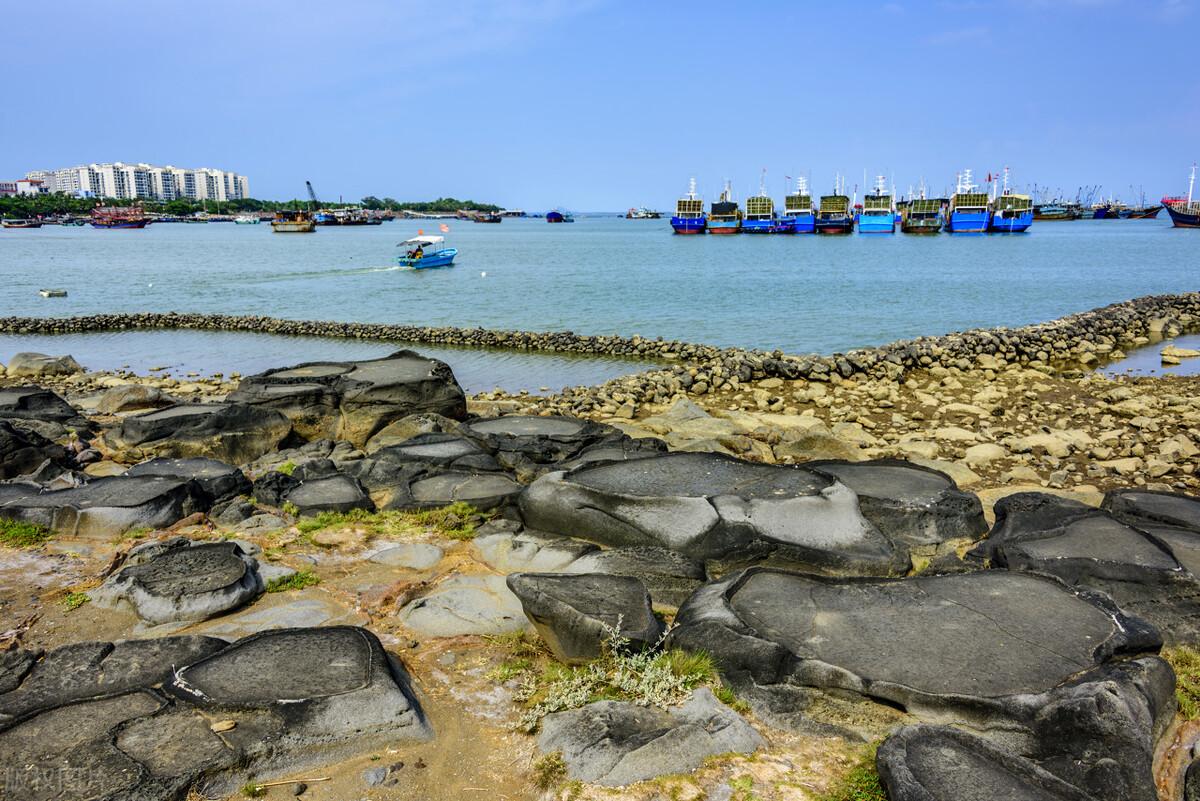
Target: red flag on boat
(445, 229)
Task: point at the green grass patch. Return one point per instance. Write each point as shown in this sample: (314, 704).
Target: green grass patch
(22, 534)
(743, 789)
(74, 600)
(456, 521)
(861, 783)
(296, 581)
(1186, 663)
(252, 790)
(549, 771)
(287, 468)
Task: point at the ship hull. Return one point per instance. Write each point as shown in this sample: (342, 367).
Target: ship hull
(1181, 218)
(834, 227)
(1011, 225)
(123, 224)
(759, 226)
(921, 227)
(1145, 214)
(8, 224)
(967, 222)
(724, 227)
(688, 225)
(877, 224)
(294, 227)
(804, 224)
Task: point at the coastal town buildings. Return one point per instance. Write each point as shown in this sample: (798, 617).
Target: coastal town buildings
(148, 181)
(23, 186)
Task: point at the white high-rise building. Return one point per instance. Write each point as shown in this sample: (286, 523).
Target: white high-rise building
(133, 181)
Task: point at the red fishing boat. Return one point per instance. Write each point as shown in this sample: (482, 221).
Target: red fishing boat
(119, 217)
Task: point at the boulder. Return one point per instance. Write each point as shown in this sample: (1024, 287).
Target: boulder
(615, 743)
(107, 507)
(229, 432)
(484, 491)
(406, 428)
(1143, 507)
(1147, 568)
(507, 549)
(670, 577)
(532, 445)
(354, 401)
(178, 580)
(715, 509)
(465, 605)
(23, 452)
(219, 481)
(38, 365)
(576, 614)
(335, 493)
(985, 646)
(132, 398)
(31, 404)
(939, 763)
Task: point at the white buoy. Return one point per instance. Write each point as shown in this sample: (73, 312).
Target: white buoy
(150, 284)
(483, 274)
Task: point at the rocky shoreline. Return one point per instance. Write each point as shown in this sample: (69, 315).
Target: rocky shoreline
(711, 580)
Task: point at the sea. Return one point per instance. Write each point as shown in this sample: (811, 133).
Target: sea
(602, 274)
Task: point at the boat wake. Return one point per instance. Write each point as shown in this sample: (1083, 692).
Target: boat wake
(262, 279)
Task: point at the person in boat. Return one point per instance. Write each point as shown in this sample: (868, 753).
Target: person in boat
(418, 253)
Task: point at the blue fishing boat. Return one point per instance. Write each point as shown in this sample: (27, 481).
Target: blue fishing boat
(760, 213)
(968, 208)
(879, 211)
(1185, 212)
(1011, 213)
(423, 252)
(689, 213)
(559, 216)
(798, 211)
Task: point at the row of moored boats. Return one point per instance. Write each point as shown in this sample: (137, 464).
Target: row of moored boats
(967, 210)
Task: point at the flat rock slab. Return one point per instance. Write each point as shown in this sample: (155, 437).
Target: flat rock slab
(670, 577)
(531, 445)
(529, 551)
(466, 605)
(615, 743)
(36, 403)
(1161, 508)
(353, 401)
(406, 555)
(972, 642)
(107, 507)
(228, 432)
(716, 508)
(484, 491)
(577, 614)
(178, 580)
(1147, 566)
(298, 697)
(938, 763)
(220, 481)
(439, 449)
(336, 493)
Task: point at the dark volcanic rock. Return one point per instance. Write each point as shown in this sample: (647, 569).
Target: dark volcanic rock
(177, 580)
(1139, 507)
(107, 507)
(670, 577)
(617, 743)
(575, 613)
(938, 763)
(220, 482)
(438, 450)
(93, 715)
(32, 403)
(229, 432)
(715, 508)
(532, 445)
(429, 491)
(1146, 568)
(910, 503)
(978, 645)
(352, 401)
(272, 488)
(335, 493)
(23, 452)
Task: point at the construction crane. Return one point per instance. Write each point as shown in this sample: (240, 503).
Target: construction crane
(312, 195)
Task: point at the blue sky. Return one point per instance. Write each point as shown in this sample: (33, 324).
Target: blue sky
(604, 105)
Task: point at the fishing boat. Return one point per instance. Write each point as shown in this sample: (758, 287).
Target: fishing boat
(835, 215)
(760, 213)
(724, 216)
(689, 213)
(1184, 212)
(246, 219)
(879, 211)
(293, 222)
(485, 217)
(21, 223)
(643, 213)
(72, 222)
(798, 211)
(1049, 212)
(1145, 212)
(119, 217)
(1011, 213)
(968, 212)
(921, 215)
(423, 252)
(559, 216)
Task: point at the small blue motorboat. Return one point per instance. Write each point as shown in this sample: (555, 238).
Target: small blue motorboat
(423, 252)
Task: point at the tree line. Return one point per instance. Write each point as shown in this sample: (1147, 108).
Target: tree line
(54, 205)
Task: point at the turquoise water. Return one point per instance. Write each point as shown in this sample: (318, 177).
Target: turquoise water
(605, 276)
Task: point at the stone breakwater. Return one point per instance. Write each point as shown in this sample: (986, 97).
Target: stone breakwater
(1080, 339)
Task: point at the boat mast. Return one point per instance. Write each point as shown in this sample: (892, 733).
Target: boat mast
(692, 189)
(1191, 183)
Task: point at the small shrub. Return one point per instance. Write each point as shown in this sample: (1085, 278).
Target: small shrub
(291, 509)
(136, 533)
(252, 790)
(74, 600)
(727, 697)
(296, 581)
(455, 521)
(549, 771)
(1186, 663)
(860, 784)
(22, 534)
(287, 468)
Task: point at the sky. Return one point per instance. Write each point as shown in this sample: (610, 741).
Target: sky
(603, 105)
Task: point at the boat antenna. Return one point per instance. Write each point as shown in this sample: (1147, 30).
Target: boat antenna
(1191, 183)
(692, 189)
(762, 183)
